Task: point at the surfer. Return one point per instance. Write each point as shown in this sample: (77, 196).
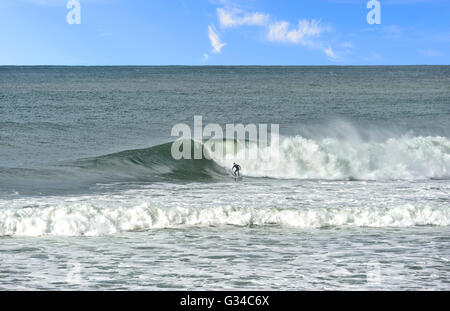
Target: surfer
(235, 169)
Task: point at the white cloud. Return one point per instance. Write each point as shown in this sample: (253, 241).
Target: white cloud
(215, 40)
(277, 31)
(305, 33)
(330, 53)
(280, 31)
(235, 18)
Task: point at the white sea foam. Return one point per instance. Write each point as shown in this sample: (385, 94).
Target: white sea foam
(82, 219)
(409, 158)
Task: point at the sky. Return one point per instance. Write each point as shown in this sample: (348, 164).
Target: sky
(224, 32)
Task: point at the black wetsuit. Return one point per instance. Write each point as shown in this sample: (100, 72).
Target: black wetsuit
(237, 167)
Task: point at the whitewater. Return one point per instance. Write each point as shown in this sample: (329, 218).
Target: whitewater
(330, 158)
(149, 208)
(296, 159)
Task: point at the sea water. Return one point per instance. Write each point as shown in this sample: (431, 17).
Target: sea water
(358, 197)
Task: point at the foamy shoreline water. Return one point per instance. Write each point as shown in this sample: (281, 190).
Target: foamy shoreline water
(297, 204)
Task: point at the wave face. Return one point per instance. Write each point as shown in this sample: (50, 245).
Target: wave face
(153, 164)
(408, 158)
(84, 219)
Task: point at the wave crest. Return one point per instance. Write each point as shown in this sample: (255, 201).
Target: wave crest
(89, 220)
(330, 158)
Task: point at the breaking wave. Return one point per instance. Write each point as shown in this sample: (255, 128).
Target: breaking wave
(297, 157)
(329, 158)
(90, 220)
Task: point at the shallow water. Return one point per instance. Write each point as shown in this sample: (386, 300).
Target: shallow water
(230, 257)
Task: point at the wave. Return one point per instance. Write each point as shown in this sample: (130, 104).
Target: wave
(89, 220)
(296, 157)
(153, 164)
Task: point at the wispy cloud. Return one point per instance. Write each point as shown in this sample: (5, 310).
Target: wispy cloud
(304, 33)
(235, 18)
(280, 31)
(277, 31)
(330, 53)
(215, 39)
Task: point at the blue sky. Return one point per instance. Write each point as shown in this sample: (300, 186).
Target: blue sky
(224, 32)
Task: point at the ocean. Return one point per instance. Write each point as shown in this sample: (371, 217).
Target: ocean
(357, 197)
